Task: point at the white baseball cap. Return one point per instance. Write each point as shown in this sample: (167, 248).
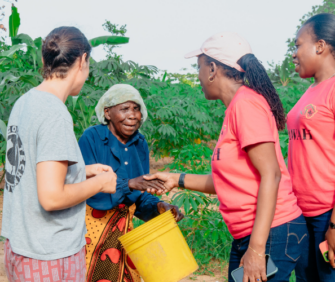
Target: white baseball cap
(225, 47)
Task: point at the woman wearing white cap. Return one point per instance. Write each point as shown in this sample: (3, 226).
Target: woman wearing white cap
(249, 174)
(117, 142)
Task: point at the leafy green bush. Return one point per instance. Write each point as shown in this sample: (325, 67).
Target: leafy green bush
(180, 115)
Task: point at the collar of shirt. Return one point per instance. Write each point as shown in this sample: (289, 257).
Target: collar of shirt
(109, 138)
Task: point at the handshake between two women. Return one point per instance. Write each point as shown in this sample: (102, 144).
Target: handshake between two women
(158, 183)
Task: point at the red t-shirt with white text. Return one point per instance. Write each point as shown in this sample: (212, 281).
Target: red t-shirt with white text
(248, 121)
(311, 155)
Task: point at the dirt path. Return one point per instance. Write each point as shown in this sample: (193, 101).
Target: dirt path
(155, 166)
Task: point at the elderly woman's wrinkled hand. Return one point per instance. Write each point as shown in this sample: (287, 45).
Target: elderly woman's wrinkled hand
(163, 207)
(139, 183)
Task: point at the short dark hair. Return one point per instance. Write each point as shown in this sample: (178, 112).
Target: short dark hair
(323, 27)
(61, 48)
(256, 78)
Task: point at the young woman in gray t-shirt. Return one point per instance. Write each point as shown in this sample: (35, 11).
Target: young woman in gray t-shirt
(47, 182)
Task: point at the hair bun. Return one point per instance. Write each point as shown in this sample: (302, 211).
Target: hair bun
(61, 49)
(53, 47)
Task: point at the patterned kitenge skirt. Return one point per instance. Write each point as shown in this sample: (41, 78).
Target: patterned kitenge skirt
(106, 260)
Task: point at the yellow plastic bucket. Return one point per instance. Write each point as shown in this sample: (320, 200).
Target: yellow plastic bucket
(159, 250)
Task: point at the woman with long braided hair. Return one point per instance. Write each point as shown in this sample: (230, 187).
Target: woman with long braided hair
(249, 174)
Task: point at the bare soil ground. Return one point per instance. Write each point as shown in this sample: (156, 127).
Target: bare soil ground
(155, 166)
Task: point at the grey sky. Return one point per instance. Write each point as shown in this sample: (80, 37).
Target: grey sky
(161, 32)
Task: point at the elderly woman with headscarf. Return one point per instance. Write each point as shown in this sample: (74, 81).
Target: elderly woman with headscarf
(116, 142)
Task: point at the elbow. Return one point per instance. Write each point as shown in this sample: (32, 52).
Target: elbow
(49, 206)
(272, 177)
(48, 209)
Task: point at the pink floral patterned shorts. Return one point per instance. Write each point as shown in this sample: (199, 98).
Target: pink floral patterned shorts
(23, 269)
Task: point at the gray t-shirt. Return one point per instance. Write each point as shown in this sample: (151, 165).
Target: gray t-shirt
(40, 129)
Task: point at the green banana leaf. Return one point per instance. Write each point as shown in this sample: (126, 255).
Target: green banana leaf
(23, 38)
(14, 22)
(32, 52)
(112, 40)
(3, 129)
(38, 43)
(11, 51)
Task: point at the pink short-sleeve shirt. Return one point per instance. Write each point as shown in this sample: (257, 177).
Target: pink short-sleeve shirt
(311, 155)
(248, 121)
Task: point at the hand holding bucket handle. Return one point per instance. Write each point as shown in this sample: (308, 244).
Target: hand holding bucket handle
(162, 207)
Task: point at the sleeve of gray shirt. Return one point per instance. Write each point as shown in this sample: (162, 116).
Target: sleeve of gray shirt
(56, 142)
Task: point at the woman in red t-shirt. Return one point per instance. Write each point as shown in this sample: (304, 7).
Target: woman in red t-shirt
(311, 127)
(248, 170)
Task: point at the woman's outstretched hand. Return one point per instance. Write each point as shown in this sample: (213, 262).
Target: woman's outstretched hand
(163, 207)
(95, 169)
(141, 184)
(254, 267)
(169, 180)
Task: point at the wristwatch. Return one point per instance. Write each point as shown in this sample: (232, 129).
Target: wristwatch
(181, 183)
(331, 225)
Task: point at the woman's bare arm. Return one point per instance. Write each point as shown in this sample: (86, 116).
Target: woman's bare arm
(195, 182)
(54, 195)
(264, 159)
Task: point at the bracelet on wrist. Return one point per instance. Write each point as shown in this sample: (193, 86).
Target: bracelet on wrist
(260, 255)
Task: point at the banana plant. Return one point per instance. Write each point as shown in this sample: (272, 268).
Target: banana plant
(14, 22)
(34, 47)
(111, 40)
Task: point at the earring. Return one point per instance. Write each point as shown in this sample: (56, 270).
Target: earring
(317, 51)
(211, 80)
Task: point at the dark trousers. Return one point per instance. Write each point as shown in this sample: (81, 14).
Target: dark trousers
(312, 267)
(286, 244)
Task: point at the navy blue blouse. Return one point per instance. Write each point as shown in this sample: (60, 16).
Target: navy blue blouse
(99, 145)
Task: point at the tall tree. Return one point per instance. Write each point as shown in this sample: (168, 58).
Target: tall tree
(115, 30)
